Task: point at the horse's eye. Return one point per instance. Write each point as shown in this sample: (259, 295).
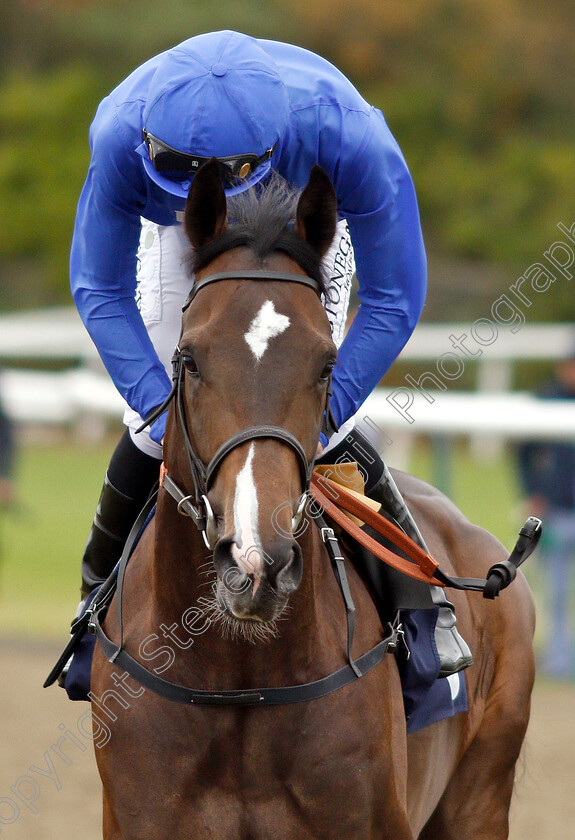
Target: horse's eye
(327, 371)
(190, 365)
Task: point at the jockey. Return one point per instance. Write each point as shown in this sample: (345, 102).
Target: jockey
(258, 106)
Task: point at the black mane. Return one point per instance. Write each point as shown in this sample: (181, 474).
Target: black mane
(262, 219)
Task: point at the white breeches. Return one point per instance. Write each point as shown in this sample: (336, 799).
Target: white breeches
(163, 285)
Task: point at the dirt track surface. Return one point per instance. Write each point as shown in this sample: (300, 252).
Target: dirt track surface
(65, 798)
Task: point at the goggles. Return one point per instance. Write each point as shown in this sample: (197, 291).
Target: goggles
(179, 166)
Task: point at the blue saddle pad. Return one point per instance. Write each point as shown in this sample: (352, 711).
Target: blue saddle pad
(77, 682)
(426, 697)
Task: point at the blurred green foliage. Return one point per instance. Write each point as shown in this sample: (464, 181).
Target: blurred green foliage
(43, 159)
(479, 96)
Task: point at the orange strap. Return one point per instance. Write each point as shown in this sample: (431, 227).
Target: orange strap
(423, 565)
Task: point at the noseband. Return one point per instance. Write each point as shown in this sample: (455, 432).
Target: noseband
(203, 476)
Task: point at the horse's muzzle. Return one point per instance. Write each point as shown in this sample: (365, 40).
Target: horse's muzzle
(257, 586)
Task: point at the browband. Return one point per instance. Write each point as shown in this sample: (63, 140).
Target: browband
(252, 274)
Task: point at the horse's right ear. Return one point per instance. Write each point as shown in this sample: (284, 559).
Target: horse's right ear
(205, 216)
(316, 215)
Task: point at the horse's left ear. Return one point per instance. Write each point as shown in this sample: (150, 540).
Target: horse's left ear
(205, 217)
(316, 215)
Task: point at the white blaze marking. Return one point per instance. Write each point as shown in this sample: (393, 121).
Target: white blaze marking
(245, 550)
(266, 325)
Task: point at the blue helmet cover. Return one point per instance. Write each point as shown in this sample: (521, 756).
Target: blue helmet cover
(218, 94)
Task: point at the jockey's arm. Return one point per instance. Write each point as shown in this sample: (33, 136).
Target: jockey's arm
(381, 208)
(103, 269)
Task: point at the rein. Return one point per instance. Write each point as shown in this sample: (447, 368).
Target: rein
(499, 577)
(95, 614)
(422, 566)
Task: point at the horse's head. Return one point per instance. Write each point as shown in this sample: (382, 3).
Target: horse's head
(255, 354)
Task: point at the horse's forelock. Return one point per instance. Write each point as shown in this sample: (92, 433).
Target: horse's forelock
(262, 219)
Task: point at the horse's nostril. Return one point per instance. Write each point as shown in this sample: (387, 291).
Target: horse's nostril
(223, 556)
(289, 575)
(235, 581)
(282, 571)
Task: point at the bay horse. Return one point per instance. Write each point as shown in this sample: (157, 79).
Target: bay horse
(250, 605)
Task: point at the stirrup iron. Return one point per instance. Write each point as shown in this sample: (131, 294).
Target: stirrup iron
(453, 650)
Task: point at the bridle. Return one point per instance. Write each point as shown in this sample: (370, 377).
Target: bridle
(196, 505)
(201, 512)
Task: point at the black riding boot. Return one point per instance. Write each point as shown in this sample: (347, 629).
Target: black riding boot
(129, 480)
(454, 653)
(115, 515)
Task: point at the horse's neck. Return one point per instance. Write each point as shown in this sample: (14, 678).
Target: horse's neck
(182, 588)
